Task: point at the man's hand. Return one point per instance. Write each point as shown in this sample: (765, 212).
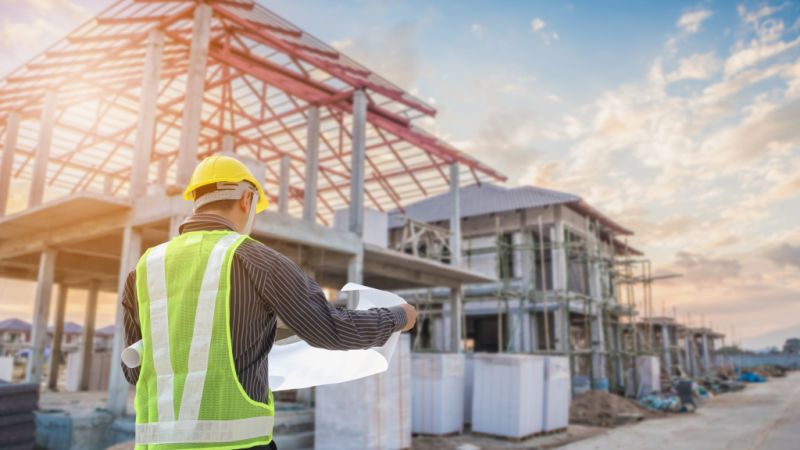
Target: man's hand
(411, 316)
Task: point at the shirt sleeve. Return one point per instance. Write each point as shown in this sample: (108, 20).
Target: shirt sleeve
(301, 304)
(133, 332)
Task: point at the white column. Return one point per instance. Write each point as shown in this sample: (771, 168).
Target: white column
(7, 162)
(355, 274)
(561, 314)
(456, 311)
(283, 192)
(706, 355)
(227, 144)
(43, 144)
(357, 163)
(312, 163)
(87, 340)
(58, 335)
(146, 127)
(195, 87)
(41, 314)
(598, 344)
(455, 215)
(117, 385)
(667, 350)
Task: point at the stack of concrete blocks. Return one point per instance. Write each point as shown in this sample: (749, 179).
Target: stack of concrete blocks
(469, 383)
(17, 421)
(508, 395)
(370, 413)
(557, 395)
(648, 377)
(437, 400)
(98, 376)
(6, 368)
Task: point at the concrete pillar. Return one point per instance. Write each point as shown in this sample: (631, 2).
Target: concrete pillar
(597, 325)
(283, 191)
(355, 274)
(58, 334)
(312, 162)
(679, 352)
(41, 314)
(195, 87)
(456, 311)
(561, 314)
(87, 340)
(146, 127)
(706, 355)
(357, 163)
(618, 360)
(228, 145)
(667, 348)
(43, 144)
(117, 385)
(7, 162)
(455, 215)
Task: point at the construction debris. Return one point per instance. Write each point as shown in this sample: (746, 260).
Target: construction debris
(606, 410)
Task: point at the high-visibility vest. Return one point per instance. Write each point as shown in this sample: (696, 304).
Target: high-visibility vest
(188, 394)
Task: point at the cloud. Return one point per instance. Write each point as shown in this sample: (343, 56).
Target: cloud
(26, 36)
(784, 255)
(755, 53)
(342, 44)
(538, 28)
(477, 30)
(699, 66)
(691, 21)
(66, 7)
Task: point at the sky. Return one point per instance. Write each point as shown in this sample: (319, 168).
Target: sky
(679, 119)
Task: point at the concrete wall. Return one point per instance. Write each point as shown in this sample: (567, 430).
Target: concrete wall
(791, 361)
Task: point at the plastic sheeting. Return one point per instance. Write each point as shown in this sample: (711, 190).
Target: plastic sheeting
(294, 364)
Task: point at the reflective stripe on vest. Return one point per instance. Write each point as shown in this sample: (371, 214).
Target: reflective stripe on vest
(189, 428)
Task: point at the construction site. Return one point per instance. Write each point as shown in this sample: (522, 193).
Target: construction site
(537, 324)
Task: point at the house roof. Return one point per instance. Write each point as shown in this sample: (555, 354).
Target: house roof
(69, 328)
(107, 330)
(487, 198)
(14, 324)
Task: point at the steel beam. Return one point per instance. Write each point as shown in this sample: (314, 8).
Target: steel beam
(195, 87)
(312, 165)
(41, 314)
(143, 147)
(43, 144)
(7, 163)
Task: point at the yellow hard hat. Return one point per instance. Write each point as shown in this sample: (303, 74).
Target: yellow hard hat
(223, 169)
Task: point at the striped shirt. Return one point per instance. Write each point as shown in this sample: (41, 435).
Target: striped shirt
(266, 285)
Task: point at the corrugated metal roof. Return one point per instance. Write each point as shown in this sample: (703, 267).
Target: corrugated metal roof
(14, 325)
(476, 200)
(487, 198)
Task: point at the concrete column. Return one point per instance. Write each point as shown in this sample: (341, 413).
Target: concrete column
(455, 215)
(667, 350)
(227, 145)
(7, 162)
(41, 314)
(706, 355)
(561, 314)
(679, 352)
(355, 274)
(146, 127)
(357, 163)
(195, 87)
(43, 144)
(87, 340)
(58, 334)
(283, 191)
(456, 311)
(117, 385)
(690, 366)
(598, 345)
(312, 163)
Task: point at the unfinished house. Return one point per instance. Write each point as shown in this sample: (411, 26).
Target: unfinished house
(699, 350)
(667, 335)
(556, 259)
(101, 132)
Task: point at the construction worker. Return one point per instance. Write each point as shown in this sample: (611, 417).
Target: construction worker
(206, 304)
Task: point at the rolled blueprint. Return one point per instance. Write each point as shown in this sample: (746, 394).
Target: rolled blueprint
(294, 364)
(132, 356)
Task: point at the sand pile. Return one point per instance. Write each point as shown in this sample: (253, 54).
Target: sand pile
(606, 410)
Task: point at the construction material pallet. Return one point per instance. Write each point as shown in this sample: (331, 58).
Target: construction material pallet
(552, 432)
(443, 435)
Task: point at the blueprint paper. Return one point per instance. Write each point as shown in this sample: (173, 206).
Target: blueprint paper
(294, 364)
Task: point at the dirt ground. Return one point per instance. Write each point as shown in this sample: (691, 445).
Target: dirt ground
(474, 442)
(763, 416)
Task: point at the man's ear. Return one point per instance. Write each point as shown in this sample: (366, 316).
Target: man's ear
(244, 201)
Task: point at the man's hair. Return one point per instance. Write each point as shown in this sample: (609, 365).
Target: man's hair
(219, 205)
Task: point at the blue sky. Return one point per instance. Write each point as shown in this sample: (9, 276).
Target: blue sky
(680, 119)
